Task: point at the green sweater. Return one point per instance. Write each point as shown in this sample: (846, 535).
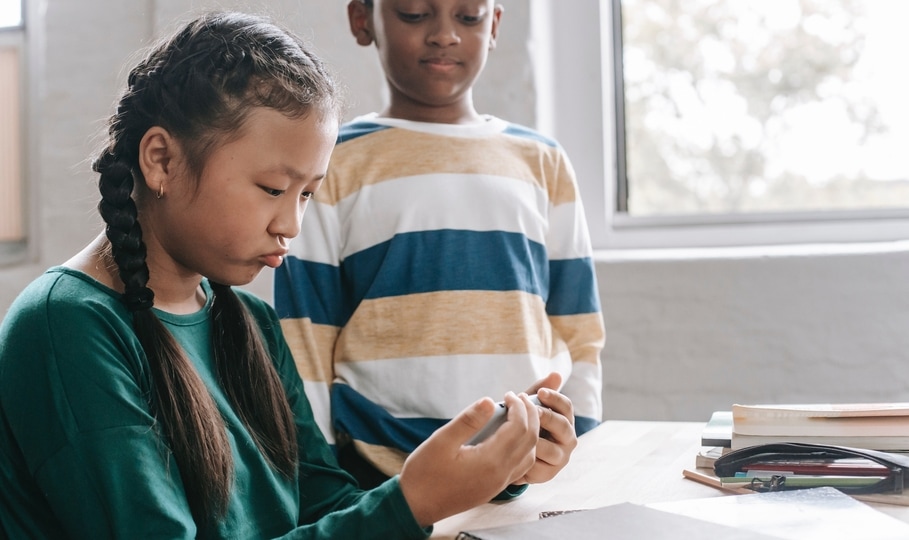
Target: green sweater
(80, 456)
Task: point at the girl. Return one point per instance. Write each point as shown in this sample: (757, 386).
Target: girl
(140, 395)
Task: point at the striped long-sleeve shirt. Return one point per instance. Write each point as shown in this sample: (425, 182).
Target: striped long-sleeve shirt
(438, 264)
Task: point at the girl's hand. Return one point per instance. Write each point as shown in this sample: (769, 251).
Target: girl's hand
(444, 476)
(557, 435)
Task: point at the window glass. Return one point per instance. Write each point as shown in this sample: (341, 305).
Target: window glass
(11, 222)
(10, 13)
(735, 106)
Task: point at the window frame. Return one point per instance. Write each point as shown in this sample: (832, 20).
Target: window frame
(18, 251)
(610, 227)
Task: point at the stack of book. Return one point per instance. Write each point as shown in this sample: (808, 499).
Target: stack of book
(872, 426)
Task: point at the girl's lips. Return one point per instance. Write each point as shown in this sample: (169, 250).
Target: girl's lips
(273, 261)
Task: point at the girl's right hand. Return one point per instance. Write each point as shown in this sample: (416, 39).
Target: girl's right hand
(444, 476)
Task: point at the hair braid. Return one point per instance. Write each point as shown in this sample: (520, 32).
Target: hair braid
(188, 416)
(118, 210)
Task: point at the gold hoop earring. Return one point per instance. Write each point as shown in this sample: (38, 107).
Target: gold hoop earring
(160, 191)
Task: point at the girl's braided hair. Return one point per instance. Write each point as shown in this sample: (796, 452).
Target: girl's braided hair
(200, 85)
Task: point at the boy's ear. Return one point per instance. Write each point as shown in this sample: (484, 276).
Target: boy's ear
(496, 18)
(358, 15)
(156, 153)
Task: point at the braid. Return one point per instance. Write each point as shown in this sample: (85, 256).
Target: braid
(200, 86)
(118, 210)
(189, 417)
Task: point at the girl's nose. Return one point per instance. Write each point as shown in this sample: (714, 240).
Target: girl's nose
(288, 221)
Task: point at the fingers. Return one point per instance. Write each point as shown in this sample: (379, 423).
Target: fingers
(558, 439)
(469, 421)
(558, 407)
(552, 381)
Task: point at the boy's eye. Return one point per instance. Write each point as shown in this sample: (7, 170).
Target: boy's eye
(273, 192)
(471, 19)
(411, 17)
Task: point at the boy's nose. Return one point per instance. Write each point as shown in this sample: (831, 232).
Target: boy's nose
(444, 34)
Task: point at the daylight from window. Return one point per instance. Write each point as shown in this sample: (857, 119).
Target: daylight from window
(738, 106)
(10, 13)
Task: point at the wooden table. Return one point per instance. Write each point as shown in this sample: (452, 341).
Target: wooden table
(619, 461)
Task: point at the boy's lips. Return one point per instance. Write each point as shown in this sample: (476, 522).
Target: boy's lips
(440, 61)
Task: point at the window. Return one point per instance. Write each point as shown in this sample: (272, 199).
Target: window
(12, 220)
(731, 113)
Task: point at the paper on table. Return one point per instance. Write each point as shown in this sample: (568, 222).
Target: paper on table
(804, 514)
(625, 521)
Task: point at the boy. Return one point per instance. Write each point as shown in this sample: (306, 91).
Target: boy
(447, 256)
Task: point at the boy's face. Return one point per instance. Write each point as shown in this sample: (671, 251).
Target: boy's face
(432, 51)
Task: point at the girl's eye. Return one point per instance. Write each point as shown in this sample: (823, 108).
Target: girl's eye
(306, 195)
(273, 192)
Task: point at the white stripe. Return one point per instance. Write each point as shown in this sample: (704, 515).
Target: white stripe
(442, 201)
(488, 125)
(569, 237)
(319, 238)
(317, 394)
(441, 386)
(585, 390)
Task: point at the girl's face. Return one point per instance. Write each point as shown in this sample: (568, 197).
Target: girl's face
(247, 206)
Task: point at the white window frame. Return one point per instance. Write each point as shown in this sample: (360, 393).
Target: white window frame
(584, 120)
(14, 252)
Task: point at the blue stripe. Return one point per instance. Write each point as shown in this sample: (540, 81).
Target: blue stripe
(583, 424)
(309, 289)
(365, 421)
(351, 131)
(448, 260)
(526, 133)
(573, 287)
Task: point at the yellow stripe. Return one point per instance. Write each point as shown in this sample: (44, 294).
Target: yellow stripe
(393, 327)
(312, 346)
(388, 460)
(399, 153)
(584, 335)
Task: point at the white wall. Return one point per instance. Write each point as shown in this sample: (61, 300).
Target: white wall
(688, 331)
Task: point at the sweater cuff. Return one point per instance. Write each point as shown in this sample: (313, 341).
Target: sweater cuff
(402, 509)
(511, 492)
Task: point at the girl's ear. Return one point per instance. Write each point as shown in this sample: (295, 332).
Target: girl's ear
(156, 153)
(358, 15)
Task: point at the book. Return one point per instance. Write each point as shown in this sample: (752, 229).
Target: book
(876, 426)
(822, 420)
(814, 410)
(718, 431)
(804, 514)
(708, 455)
(888, 443)
(707, 476)
(624, 521)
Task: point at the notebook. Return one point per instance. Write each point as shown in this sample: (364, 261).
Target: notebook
(624, 521)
